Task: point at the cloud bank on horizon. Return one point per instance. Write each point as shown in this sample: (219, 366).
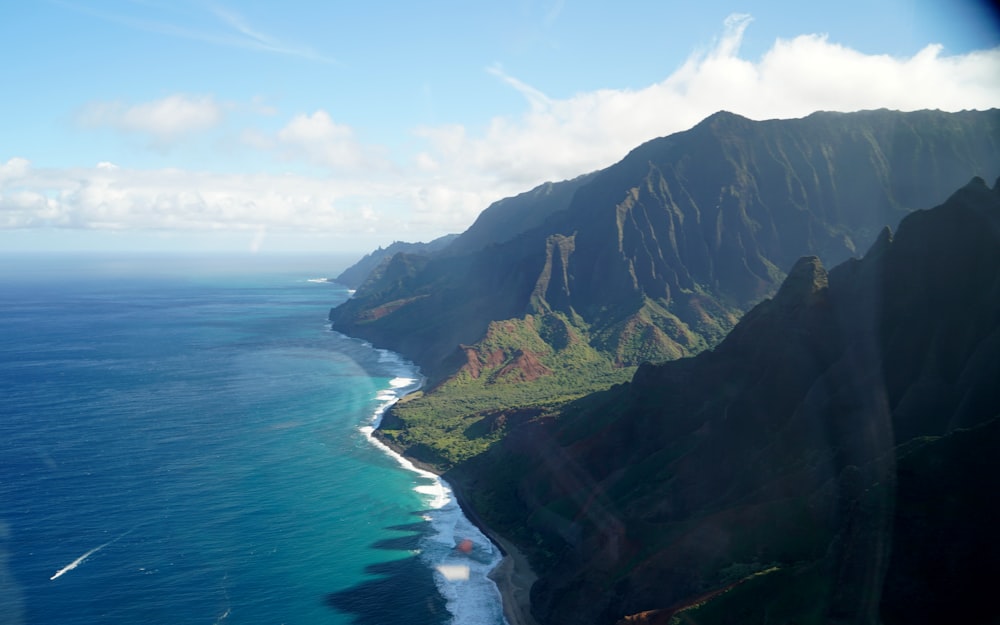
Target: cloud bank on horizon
(336, 182)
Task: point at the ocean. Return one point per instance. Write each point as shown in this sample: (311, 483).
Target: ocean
(185, 440)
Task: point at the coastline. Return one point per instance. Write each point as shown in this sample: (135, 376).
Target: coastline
(513, 575)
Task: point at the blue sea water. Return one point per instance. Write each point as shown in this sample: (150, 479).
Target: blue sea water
(184, 440)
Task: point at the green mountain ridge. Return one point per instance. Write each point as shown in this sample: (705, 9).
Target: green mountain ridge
(657, 256)
(832, 460)
(652, 259)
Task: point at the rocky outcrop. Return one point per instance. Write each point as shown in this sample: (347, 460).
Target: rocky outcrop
(523, 366)
(370, 266)
(552, 288)
(506, 219)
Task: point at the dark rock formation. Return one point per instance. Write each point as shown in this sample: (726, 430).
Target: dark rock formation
(833, 460)
(370, 265)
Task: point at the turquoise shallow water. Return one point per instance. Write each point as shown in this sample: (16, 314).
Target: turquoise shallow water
(182, 441)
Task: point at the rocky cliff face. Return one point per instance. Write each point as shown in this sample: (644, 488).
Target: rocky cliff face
(833, 460)
(508, 218)
(657, 256)
(372, 264)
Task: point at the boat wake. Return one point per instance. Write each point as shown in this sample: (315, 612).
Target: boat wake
(75, 563)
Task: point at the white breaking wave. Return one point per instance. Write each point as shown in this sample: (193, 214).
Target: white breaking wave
(463, 558)
(460, 555)
(438, 493)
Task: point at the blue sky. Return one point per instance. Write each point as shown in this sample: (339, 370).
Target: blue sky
(329, 126)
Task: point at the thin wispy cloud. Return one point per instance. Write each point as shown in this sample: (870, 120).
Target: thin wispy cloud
(233, 30)
(537, 99)
(253, 38)
(553, 13)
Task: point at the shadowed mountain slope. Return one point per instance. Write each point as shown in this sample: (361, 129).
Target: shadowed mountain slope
(509, 217)
(369, 267)
(657, 256)
(833, 460)
(500, 222)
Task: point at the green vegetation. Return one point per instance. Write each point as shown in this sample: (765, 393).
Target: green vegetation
(773, 595)
(652, 334)
(521, 367)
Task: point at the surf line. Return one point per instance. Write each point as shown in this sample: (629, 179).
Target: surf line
(75, 563)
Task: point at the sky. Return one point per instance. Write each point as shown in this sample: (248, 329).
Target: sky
(314, 125)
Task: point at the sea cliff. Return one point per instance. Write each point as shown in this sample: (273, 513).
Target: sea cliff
(634, 394)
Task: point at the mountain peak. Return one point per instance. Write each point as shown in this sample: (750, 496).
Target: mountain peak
(976, 188)
(882, 242)
(721, 117)
(805, 281)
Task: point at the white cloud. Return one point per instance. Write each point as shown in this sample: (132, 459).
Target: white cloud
(558, 139)
(318, 139)
(13, 169)
(160, 122)
(456, 171)
(113, 198)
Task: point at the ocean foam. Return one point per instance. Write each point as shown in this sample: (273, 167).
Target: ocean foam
(387, 357)
(460, 574)
(458, 545)
(437, 493)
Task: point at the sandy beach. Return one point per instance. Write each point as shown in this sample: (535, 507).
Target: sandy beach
(514, 578)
